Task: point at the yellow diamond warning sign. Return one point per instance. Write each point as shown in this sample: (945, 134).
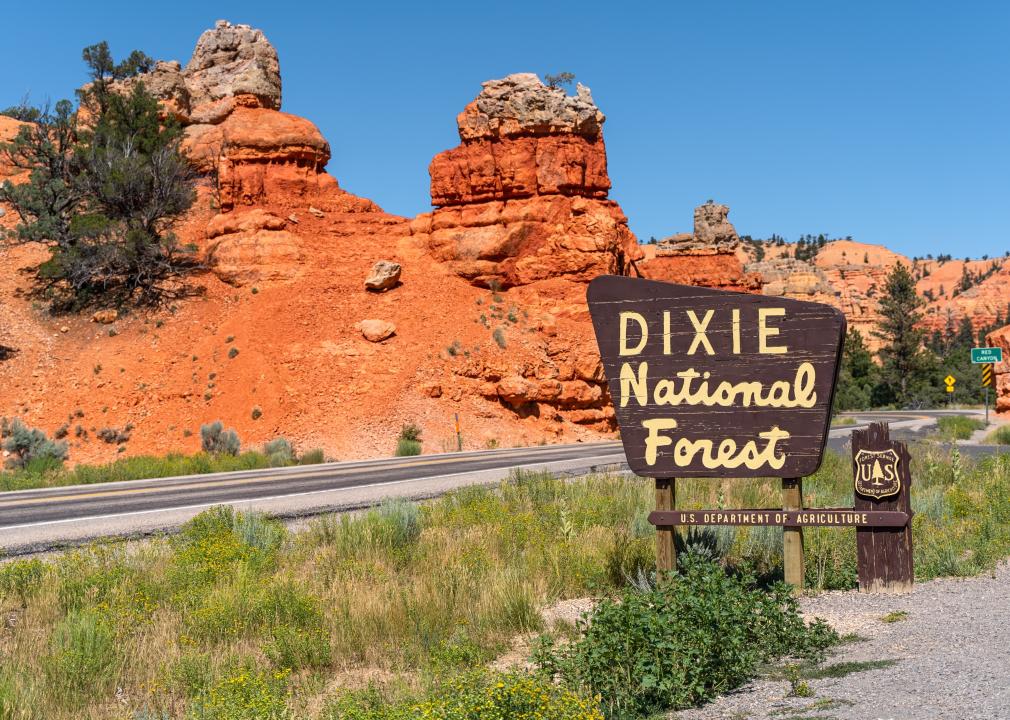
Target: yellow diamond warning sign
(950, 380)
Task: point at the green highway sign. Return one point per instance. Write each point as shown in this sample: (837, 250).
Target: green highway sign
(987, 355)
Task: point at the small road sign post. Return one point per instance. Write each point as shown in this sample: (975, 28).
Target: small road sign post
(715, 384)
(986, 357)
(950, 380)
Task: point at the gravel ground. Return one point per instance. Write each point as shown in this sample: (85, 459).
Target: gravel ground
(951, 658)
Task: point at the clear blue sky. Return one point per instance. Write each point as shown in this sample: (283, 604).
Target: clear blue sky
(887, 121)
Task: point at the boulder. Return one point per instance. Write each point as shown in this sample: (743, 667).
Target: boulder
(256, 256)
(520, 104)
(260, 154)
(105, 317)
(789, 277)
(248, 221)
(231, 60)
(376, 330)
(385, 275)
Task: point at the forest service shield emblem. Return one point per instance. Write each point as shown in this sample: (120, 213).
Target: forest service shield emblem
(877, 473)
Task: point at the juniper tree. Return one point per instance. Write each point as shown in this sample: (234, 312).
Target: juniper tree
(103, 193)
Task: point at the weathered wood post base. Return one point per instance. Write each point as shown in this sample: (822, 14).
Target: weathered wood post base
(666, 552)
(792, 537)
(883, 481)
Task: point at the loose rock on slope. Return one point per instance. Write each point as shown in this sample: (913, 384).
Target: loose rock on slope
(385, 274)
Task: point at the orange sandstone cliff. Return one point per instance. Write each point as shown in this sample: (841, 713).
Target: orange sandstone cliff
(477, 308)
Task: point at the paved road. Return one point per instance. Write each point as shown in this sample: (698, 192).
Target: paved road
(34, 520)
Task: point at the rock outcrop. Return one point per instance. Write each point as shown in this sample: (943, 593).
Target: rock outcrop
(521, 207)
(253, 246)
(523, 198)
(789, 277)
(706, 257)
(1001, 339)
(228, 97)
(231, 61)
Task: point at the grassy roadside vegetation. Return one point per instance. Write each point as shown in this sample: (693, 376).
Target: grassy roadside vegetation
(1000, 436)
(397, 613)
(957, 427)
(44, 474)
(38, 462)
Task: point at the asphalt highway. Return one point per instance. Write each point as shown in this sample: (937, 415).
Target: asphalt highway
(35, 520)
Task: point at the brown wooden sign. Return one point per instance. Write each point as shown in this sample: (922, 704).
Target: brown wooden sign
(883, 556)
(708, 383)
(840, 517)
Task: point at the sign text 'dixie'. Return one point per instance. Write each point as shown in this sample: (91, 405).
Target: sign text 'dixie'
(713, 384)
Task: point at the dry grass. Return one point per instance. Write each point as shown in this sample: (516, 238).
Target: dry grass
(237, 610)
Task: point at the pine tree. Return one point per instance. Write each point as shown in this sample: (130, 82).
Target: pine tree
(857, 375)
(905, 367)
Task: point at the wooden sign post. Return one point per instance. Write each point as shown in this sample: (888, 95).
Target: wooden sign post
(708, 383)
(882, 478)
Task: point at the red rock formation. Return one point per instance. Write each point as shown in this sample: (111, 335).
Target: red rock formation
(1001, 339)
(521, 206)
(523, 198)
(706, 257)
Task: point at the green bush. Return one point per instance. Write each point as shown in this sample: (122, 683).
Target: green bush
(408, 442)
(410, 431)
(1001, 435)
(478, 695)
(399, 523)
(30, 445)
(406, 447)
(216, 440)
(295, 647)
(280, 452)
(21, 579)
(674, 646)
(82, 655)
(245, 694)
(219, 542)
(958, 427)
(312, 457)
(102, 195)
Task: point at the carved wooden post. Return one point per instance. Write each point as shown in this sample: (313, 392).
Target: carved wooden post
(792, 537)
(883, 481)
(666, 552)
